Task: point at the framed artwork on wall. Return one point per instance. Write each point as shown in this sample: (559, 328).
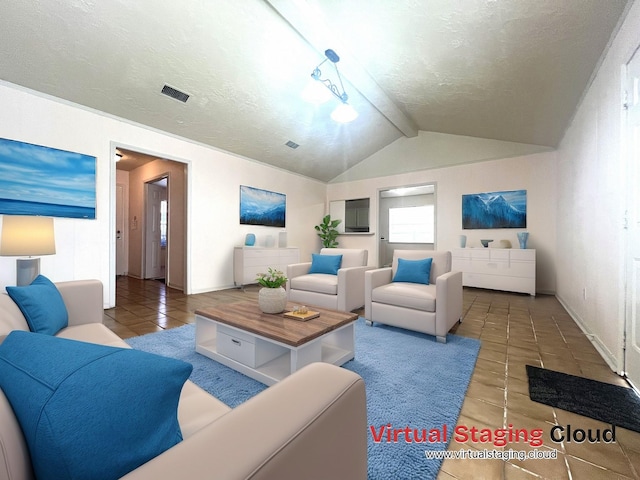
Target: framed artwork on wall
(506, 209)
(38, 180)
(262, 207)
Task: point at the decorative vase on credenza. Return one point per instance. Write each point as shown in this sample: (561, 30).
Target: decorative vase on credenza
(523, 237)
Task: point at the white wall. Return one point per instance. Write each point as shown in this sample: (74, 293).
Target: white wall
(591, 202)
(85, 248)
(535, 173)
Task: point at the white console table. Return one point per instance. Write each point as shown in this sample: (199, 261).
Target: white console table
(249, 261)
(511, 270)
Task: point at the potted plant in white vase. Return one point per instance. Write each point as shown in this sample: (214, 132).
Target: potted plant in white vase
(272, 298)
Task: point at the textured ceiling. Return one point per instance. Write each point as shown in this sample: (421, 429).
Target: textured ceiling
(510, 70)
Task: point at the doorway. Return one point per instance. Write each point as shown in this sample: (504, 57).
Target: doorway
(154, 224)
(406, 220)
(632, 322)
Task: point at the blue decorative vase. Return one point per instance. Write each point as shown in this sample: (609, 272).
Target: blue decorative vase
(522, 238)
(463, 241)
(250, 240)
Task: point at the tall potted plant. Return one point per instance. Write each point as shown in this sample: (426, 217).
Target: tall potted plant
(272, 298)
(327, 232)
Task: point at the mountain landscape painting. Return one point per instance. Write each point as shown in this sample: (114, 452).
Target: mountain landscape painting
(495, 210)
(262, 207)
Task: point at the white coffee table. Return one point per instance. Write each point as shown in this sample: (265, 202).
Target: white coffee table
(270, 347)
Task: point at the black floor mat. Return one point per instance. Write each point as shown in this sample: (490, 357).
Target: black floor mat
(608, 403)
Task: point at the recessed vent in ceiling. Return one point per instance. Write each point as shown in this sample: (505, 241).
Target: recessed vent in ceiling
(173, 93)
(291, 144)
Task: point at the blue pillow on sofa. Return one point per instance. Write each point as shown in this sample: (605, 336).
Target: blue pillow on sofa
(88, 410)
(325, 263)
(413, 271)
(42, 305)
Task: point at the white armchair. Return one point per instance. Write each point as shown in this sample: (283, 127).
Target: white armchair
(433, 309)
(343, 291)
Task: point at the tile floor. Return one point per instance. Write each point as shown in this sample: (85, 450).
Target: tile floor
(515, 330)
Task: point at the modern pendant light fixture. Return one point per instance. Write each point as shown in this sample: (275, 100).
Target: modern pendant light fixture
(320, 90)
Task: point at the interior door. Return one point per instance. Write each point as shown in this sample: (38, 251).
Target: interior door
(632, 325)
(153, 250)
(122, 263)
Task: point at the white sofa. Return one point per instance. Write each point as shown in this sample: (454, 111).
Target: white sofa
(344, 291)
(433, 309)
(310, 425)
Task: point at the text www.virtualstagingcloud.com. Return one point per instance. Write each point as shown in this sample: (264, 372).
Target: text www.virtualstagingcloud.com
(486, 454)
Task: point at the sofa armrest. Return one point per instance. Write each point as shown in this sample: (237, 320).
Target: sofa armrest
(83, 299)
(296, 270)
(311, 425)
(351, 287)
(374, 279)
(449, 301)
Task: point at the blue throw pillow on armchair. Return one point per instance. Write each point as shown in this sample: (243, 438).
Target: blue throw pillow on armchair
(329, 264)
(42, 305)
(88, 410)
(413, 271)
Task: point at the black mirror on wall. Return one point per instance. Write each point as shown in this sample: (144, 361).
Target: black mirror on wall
(354, 214)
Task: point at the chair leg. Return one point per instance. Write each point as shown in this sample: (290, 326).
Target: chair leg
(441, 339)
(368, 322)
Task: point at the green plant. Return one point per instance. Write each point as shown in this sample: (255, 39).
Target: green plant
(272, 279)
(327, 232)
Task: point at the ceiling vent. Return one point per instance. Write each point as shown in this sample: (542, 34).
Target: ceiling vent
(291, 144)
(173, 93)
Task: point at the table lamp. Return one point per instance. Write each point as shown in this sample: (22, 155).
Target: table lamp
(27, 236)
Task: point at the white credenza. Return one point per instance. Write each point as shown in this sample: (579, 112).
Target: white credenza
(511, 270)
(249, 261)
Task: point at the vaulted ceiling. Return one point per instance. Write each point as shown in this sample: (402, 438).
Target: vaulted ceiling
(508, 70)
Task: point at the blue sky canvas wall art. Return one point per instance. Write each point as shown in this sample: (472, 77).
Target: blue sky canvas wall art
(262, 207)
(38, 180)
(495, 210)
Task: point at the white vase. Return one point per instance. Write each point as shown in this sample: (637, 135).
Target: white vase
(272, 300)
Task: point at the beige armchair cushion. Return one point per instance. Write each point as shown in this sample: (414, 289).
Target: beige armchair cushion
(351, 257)
(316, 282)
(410, 295)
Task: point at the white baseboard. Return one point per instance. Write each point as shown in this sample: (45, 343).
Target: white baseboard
(604, 352)
(213, 289)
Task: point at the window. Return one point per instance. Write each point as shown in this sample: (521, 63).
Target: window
(412, 224)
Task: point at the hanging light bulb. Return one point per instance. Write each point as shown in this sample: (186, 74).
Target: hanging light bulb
(344, 113)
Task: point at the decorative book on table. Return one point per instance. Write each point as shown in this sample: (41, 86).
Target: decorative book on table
(302, 316)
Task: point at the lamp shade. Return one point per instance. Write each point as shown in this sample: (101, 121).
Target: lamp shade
(27, 236)
(344, 113)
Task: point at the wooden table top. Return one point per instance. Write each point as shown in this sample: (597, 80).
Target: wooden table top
(247, 316)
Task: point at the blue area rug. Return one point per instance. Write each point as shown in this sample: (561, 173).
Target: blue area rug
(411, 381)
